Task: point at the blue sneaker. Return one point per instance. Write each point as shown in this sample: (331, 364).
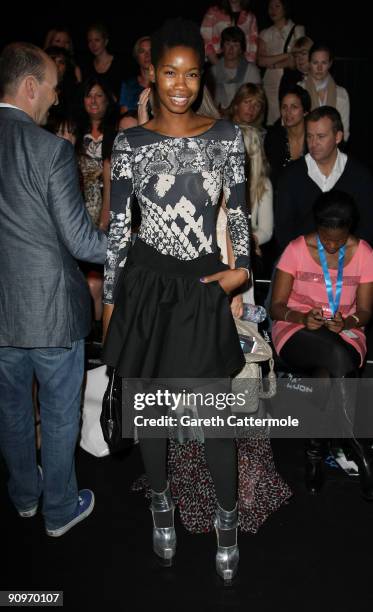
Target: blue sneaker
(33, 510)
(86, 502)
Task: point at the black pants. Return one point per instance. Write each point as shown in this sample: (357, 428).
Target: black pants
(323, 354)
(221, 458)
(321, 349)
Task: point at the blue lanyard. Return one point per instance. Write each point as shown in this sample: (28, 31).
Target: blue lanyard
(333, 302)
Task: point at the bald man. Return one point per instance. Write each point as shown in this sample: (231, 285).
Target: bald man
(44, 300)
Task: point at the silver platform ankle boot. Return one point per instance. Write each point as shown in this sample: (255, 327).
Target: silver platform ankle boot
(227, 555)
(164, 535)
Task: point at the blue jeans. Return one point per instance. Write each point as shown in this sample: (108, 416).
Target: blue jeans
(59, 372)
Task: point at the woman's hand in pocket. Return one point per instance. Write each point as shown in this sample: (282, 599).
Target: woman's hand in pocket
(229, 280)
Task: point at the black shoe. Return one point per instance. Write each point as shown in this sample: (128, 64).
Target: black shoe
(362, 455)
(314, 476)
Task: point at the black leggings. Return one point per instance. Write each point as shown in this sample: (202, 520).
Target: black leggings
(323, 354)
(221, 458)
(321, 349)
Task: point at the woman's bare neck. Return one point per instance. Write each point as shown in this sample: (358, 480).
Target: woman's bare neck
(180, 125)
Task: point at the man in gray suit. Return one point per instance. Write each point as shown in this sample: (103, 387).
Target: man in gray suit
(44, 299)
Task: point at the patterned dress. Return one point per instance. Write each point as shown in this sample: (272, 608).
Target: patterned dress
(90, 165)
(177, 182)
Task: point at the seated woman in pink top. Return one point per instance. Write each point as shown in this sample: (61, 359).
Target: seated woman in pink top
(322, 299)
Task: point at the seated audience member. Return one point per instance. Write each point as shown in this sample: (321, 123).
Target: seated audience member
(67, 88)
(97, 130)
(286, 140)
(132, 88)
(97, 125)
(322, 169)
(224, 14)
(128, 120)
(300, 53)
(204, 105)
(103, 65)
(232, 70)
(322, 87)
(321, 301)
(61, 37)
(274, 52)
(64, 127)
(248, 107)
(259, 189)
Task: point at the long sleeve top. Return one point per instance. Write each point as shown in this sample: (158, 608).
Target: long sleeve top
(277, 150)
(262, 215)
(177, 182)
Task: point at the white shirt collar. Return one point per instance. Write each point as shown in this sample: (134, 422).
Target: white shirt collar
(6, 105)
(326, 183)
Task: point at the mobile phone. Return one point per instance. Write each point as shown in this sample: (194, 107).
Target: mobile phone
(327, 314)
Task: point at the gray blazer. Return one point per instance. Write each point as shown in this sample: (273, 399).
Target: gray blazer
(44, 226)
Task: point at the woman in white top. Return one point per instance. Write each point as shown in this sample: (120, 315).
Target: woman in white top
(260, 203)
(274, 52)
(260, 194)
(259, 189)
(322, 87)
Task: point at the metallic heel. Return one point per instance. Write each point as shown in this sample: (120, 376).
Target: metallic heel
(227, 557)
(164, 535)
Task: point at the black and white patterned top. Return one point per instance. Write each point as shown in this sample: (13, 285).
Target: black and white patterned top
(177, 182)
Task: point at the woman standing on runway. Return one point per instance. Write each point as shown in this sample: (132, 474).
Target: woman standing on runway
(167, 298)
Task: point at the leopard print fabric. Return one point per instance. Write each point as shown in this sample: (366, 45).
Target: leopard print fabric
(261, 490)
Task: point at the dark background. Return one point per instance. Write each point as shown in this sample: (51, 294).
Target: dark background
(345, 26)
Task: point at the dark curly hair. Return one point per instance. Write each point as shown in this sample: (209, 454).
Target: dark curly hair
(302, 94)
(335, 210)
(177, 33)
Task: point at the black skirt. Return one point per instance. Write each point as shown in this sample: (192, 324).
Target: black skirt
(167, 324)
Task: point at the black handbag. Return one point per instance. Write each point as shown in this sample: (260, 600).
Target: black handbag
(111, 418)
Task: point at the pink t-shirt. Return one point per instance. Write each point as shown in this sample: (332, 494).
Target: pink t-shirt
(309, 290)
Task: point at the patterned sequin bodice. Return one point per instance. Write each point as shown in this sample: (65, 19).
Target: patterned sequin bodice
(177, 182)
